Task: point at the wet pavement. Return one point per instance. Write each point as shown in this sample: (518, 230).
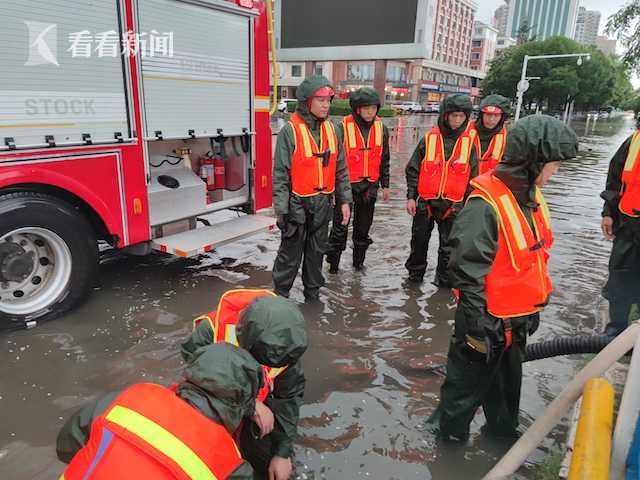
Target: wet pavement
(373, 338)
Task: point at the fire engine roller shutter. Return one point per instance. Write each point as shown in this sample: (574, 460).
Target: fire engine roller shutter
(44, 88)
(205, 85)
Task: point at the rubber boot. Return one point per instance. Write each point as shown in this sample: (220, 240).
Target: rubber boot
(358, 257)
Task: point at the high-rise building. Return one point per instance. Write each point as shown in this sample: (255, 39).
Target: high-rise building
(454, 26)
(483, 46)
(541, 19)
(500, 18)
(587, 26)
(606, 45)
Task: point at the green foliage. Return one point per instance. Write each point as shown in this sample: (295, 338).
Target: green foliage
(550, 467)
(624, 24)
(342, 108)
(598, 82)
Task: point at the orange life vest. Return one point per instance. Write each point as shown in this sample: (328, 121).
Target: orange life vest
(363, 159)
(518, 283)
(223, 322)
(489, 160)
(150, 433)
(311, 174)
(630, 194)
(446, 178)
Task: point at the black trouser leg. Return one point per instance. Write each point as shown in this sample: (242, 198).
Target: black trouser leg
(288, 259)
(315, 247)
(256, 451)
(337, 238)
(421, 229)
(444, 231)
(364, 207)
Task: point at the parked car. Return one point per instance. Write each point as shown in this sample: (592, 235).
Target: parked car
(282, 104)
(432, 107)
(408, 107)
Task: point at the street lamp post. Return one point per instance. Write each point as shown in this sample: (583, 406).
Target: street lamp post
(523, 84)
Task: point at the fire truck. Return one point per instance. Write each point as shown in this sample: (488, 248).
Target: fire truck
(126, 123)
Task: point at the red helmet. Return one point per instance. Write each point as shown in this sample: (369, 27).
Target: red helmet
(325, 91)
(492, 109)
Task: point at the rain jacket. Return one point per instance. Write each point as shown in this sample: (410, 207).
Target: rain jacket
(284, 202)
(484, 134)
(453, 103)
(362, 98)
(274, 332)
(221, 381)
(533, 141)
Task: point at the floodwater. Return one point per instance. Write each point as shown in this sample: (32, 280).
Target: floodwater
(369, 390)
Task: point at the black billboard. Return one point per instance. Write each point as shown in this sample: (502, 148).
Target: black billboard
(335, 23)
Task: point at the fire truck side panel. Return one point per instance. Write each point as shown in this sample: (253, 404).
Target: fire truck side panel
(263, 140)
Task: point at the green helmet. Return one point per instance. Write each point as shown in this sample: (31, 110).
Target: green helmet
(494, 100)
(363, 97)
(457, 102)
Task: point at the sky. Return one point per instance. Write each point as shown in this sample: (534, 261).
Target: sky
(605, 7)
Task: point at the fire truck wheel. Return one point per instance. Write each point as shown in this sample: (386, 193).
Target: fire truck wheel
(48, 257)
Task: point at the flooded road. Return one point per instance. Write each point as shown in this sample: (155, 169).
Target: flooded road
(368, 388)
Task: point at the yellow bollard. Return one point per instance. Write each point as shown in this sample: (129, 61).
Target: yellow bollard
(592, 447)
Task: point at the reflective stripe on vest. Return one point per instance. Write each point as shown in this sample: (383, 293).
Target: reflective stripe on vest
(149, 432)
(518, 282)
(162, 440)
(224, 322)
(489, 160)
(446, 179)
(363, 159)
(630, 194)
(309, 176)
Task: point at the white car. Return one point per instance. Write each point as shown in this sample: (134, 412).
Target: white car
(282, 104)
(408, 107)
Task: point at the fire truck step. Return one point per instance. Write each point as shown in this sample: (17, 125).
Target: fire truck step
(206, 239)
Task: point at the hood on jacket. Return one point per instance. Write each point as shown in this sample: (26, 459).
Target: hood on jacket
(361, 98)
(456, 102)
(273, 330)
(303, 93)
(493, 100)
(532, 142)
(222, 382)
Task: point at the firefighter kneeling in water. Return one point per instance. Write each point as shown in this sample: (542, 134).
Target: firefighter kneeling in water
(500, 245)
(150, 432)
(272, 329)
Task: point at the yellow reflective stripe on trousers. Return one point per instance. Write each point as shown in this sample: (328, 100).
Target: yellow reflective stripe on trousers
(516, 226)
(162, 440)
(632, 156)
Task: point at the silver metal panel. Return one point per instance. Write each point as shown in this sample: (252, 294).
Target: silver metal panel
(205, 85)
(46, 87)
(195, 242)
(167, 204)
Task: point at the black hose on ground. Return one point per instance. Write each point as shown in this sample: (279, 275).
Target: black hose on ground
(566, 346)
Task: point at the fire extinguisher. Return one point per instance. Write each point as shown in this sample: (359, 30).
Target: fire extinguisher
(218, 159)
(207, 171)
(219, 172)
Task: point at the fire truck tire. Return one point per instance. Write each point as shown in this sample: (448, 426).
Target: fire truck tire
(48, 258)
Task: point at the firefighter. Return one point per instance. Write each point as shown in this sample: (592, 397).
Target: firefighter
(309, 171)
(431, 200)
(621, 223)
(500, 245)
(273, 331)
(366, 146)
(150, 431)
(492, 134)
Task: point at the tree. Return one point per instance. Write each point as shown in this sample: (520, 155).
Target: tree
(523, 34)
(624, 24)
(592, 85)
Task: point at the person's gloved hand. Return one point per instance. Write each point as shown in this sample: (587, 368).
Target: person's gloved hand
(485, 343)
(533, 324)
(282, 222)
(478, 347)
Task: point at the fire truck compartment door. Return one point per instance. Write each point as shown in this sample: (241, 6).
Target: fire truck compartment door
(203, 83)
(62, 72)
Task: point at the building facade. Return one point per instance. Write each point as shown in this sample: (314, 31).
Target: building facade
(504, 42)
(606, 45)
(542, 18)
(483, 46)
(415, 50)
(587, 25)
(501, 18)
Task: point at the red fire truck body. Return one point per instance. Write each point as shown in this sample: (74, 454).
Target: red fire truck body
(104, 145)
